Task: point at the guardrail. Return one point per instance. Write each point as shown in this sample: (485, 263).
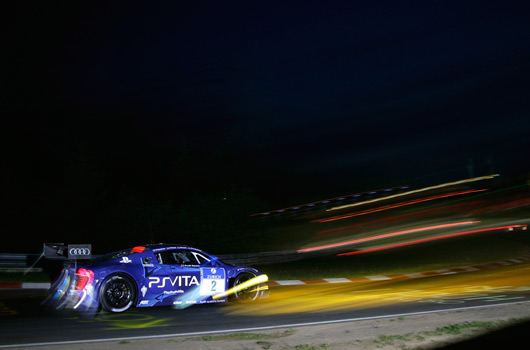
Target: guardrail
(18, 262)
(261, 258)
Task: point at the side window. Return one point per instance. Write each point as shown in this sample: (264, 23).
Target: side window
(167, 258)
(201, 258)
(181, 257)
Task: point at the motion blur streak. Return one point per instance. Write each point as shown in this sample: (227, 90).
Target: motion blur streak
(433, 239)
(386, 235)
(396, 218)
(251, 282)
(501, 206)
(488, 177)
(397, 205)
(494, 285)
(324, 201)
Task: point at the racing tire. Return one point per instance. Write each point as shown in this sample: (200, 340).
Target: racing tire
(246, 295)
(117, 293)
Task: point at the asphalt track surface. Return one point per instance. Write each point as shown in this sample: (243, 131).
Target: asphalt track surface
(24, 322)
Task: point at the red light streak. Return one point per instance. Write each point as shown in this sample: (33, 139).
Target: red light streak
(430, 239)
(386, 235)
(418, 191)
(396, 218)
(386, 207)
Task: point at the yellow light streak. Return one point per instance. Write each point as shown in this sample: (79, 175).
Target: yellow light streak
(488, 285)
(251, 282)
(488, 177)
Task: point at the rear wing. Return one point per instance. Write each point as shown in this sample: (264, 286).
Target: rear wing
(61, 251)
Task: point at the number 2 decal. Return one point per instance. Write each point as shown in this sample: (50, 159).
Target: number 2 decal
(213, 281)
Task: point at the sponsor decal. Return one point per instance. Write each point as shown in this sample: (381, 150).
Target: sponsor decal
(180, 281)
(143, 290)
(79, 251)
(125, 260)
(180, 291)
(213, 281)
(144, 302)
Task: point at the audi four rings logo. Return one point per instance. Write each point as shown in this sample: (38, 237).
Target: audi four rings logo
(79, 251)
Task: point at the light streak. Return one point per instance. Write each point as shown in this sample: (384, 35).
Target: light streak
(493, 285)
(510, 227)
(396, 218)
(392, 206)
(251, 282)
(325, 201)
(386, 235)
(81, 299)
(479, 195)
(62, 289)
(416, 191)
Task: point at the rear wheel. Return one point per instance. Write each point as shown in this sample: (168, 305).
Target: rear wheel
(117, 293)
(248, 294)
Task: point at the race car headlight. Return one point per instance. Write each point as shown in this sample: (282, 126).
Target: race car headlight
(85, 278)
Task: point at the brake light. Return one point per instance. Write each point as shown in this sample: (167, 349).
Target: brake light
(138, 249)
(84, 277)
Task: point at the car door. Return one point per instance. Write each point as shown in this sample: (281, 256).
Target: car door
(186, 278)
(177, 282)
(211, 278)
(158, 288)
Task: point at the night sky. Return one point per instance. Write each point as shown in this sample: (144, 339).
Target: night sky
(295, 100)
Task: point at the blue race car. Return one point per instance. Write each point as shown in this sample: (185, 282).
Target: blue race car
(154, 275)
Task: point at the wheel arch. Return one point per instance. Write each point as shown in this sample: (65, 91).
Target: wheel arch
(124, 275)
(233, 297)
(232, 279)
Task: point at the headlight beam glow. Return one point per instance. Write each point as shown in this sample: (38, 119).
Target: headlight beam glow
(251, 282)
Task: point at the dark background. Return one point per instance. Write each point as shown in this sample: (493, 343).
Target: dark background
(131, 122)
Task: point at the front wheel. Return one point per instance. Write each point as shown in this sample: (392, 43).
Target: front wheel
(117, 293)
(248, 294)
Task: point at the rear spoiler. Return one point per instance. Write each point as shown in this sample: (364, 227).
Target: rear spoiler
(61, 251)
